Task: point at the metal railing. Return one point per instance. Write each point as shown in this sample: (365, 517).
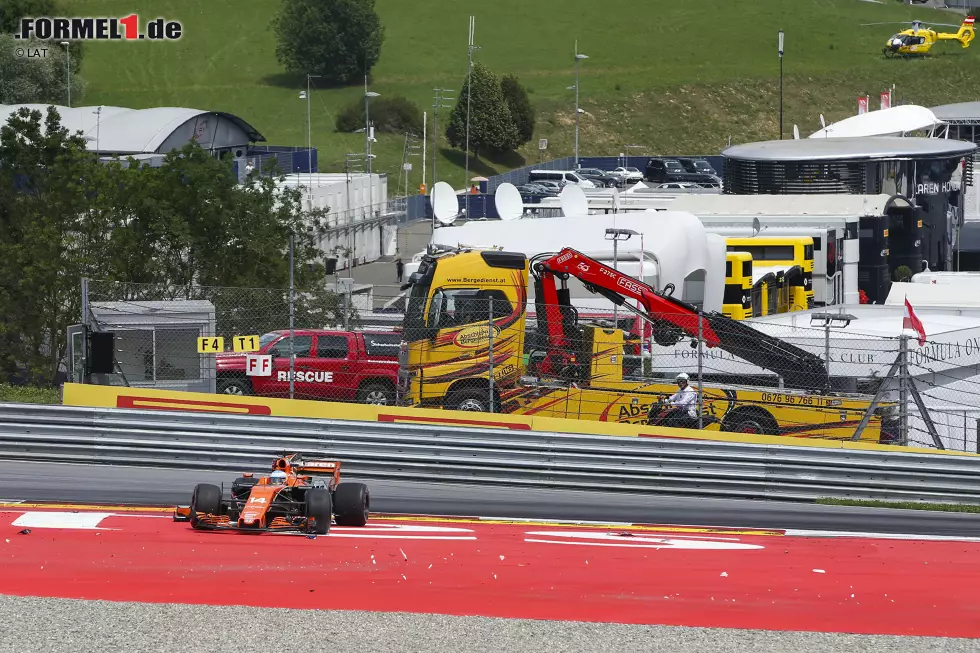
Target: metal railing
(437, 453)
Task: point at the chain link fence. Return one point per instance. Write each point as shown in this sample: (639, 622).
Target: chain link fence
(482, 351)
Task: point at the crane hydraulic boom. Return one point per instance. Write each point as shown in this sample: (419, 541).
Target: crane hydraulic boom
(798, 368)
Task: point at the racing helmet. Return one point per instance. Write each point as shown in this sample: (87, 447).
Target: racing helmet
(277, 477)
(682, 377)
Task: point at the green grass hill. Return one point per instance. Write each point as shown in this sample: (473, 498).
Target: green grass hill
(682, 76)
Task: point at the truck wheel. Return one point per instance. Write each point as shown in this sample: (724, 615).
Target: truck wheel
(205, 500)
(233, 386)
(760, 423)
(352, 503)
(379, 394)
(318, 507)
(472, 399)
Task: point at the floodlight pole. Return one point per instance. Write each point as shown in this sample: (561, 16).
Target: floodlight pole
(440, 97)
(469, 94)
(578, 57)
(367, 125)
(780, 84)
(67, 70)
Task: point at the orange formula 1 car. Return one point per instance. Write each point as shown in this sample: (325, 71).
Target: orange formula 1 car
(299, 495)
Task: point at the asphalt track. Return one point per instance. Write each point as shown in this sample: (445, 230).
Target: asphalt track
(151, 486)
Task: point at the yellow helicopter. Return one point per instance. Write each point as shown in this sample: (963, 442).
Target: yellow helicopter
(919, 40)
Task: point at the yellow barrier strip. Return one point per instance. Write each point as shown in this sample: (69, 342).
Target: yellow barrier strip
(122, 397)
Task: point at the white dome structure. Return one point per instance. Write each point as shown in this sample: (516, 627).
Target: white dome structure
(117, 131)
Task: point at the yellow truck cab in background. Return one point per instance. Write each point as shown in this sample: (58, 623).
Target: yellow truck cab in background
(790, 260)
(737, 302)
(465, 341)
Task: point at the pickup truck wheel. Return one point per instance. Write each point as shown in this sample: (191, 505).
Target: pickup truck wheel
(352, 503)
(233, 386)
(379, 394)
(206, 500)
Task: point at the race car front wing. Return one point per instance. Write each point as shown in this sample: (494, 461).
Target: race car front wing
(224, 523)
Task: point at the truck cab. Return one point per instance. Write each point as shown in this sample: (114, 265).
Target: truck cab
(329, 365)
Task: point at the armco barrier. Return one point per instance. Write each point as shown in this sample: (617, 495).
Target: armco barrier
(373, 450)
(144, 399)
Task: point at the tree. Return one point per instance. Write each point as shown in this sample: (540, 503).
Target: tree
(521, 111)
(340, 40)
(12, 11)
(38, 79)
(187, 228)
(491, 126)
(392, 115)
(52, 238)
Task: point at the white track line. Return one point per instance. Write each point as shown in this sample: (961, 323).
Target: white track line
(880, 536)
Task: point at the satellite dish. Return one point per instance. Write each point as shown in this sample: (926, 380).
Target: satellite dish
(509, 203)
(756, 227)
(445, 205)
(573, 201)
(796, 132)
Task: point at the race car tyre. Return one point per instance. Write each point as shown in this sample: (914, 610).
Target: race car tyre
(318, 506)
(206, 500)
(242, 487)
(352, 503)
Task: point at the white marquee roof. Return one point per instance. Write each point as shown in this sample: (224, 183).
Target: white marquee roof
(885, 122)
(127, 131)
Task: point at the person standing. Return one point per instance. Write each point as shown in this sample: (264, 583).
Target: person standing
(399, 268)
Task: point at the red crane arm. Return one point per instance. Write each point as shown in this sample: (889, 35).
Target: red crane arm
(612, 282)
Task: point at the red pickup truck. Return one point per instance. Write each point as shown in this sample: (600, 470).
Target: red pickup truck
(330, 365)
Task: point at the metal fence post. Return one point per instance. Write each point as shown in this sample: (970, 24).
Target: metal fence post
(700, 369)
(903, 390)
(85, 320)
(977, 439)
(490, 335)
(292, 339)
(826, 351)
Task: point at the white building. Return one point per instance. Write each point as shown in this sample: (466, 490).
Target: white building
(357, 214)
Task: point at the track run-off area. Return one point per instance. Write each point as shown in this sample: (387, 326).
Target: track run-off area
(534, 569)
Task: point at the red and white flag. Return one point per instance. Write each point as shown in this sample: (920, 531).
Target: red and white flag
(912, 321)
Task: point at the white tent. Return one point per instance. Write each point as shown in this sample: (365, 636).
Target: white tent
(896, 121)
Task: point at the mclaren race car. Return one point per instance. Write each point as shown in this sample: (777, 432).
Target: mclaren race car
(299, 495)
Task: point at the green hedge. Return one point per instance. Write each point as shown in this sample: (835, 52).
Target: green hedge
(25, 394)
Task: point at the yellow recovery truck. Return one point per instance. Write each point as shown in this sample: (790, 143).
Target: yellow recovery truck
(450, 354)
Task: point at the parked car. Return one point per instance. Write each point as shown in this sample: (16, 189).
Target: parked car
(629, 174)
(697, 165)
(601, 178)
(553, 187)
(533, 190)
(668, 170)
(561, 176)
(359, 366)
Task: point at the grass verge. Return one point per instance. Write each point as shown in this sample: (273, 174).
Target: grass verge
(19, 394)
(698, 73)
(904, 505)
